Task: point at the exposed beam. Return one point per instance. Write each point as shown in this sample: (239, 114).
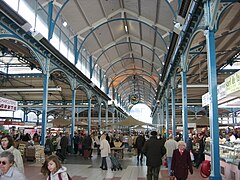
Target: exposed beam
(29, 89)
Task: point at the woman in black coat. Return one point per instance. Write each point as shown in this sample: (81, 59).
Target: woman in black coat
(181, 162)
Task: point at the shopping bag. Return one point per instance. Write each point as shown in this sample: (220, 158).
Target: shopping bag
(192, 156)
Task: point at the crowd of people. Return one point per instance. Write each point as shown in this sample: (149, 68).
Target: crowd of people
(180, 157)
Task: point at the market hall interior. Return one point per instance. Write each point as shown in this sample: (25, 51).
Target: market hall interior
(86, 64)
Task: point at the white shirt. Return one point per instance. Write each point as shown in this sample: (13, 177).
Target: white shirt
(13, 174)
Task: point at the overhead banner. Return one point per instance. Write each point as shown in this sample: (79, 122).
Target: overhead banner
(11, 123)
(232, 83)
(8, 104)
(221, 91)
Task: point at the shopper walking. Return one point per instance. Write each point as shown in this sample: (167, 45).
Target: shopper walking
(8, 171)
(76, 141)
(64, 145)
(105, 151)
(181, 162)
(170, 146)
(7, 144)
(139, 145)
(154, 150)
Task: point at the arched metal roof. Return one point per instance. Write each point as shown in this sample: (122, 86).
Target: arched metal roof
(142, 49)
(138, 50)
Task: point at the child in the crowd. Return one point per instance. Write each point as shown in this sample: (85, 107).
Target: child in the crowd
(54, 170)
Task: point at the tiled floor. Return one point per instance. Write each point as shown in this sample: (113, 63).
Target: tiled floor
(81, 169)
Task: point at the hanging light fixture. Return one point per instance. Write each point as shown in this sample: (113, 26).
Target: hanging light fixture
(126, 28)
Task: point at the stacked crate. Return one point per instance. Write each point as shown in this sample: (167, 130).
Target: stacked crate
(30, 153)
(39, 154)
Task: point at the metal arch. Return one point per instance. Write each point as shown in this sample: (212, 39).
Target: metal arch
(97, 97)
(120, 43)
(127, 53)
(125, 79)
(150, 87)
(52, 25)
(131, 74)
(171, 8)
(104, 103)
(119, 19)
(127, 59)
(221, 14)
(11, 36)
(194, 56)
(123, 85)
(68, 77)
(127, 103)
(139, 78)
(143, 99)
(188, 47)
(126, 36)
(140, 93)
(83, 88)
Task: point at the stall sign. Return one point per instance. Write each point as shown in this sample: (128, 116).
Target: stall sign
(11, 123)
(8, 104)
(221, 92)
(232, 83)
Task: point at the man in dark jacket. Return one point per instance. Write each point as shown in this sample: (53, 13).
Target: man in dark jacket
(64, 144)
(139, 145)
(154, 150)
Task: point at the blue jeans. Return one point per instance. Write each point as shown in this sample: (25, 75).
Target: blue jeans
(169, 164)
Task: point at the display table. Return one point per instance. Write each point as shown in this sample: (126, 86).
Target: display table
(118, 150)
(229, 171)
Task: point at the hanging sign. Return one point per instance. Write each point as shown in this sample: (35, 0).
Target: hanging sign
(8, 104)
(232, 83)
(11, 123)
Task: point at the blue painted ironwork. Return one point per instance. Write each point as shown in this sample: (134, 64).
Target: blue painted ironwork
(162, 117)
(113, 114)
(107, 89)
(2, 36)
(100, 77)
(90, 67)
(167, 115)
(35, 51)
(73, 113)
(120, 43)
(213, 106)
(51, 23)
(44, 109)
(184, 106)
(106, 115)
(75, 49)
(118, 76)
(212, 82)
(120, 19)
(89, 115)
(99, 116)
(171, 8)
(123, 59)
(195, 11)
(173, 91)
